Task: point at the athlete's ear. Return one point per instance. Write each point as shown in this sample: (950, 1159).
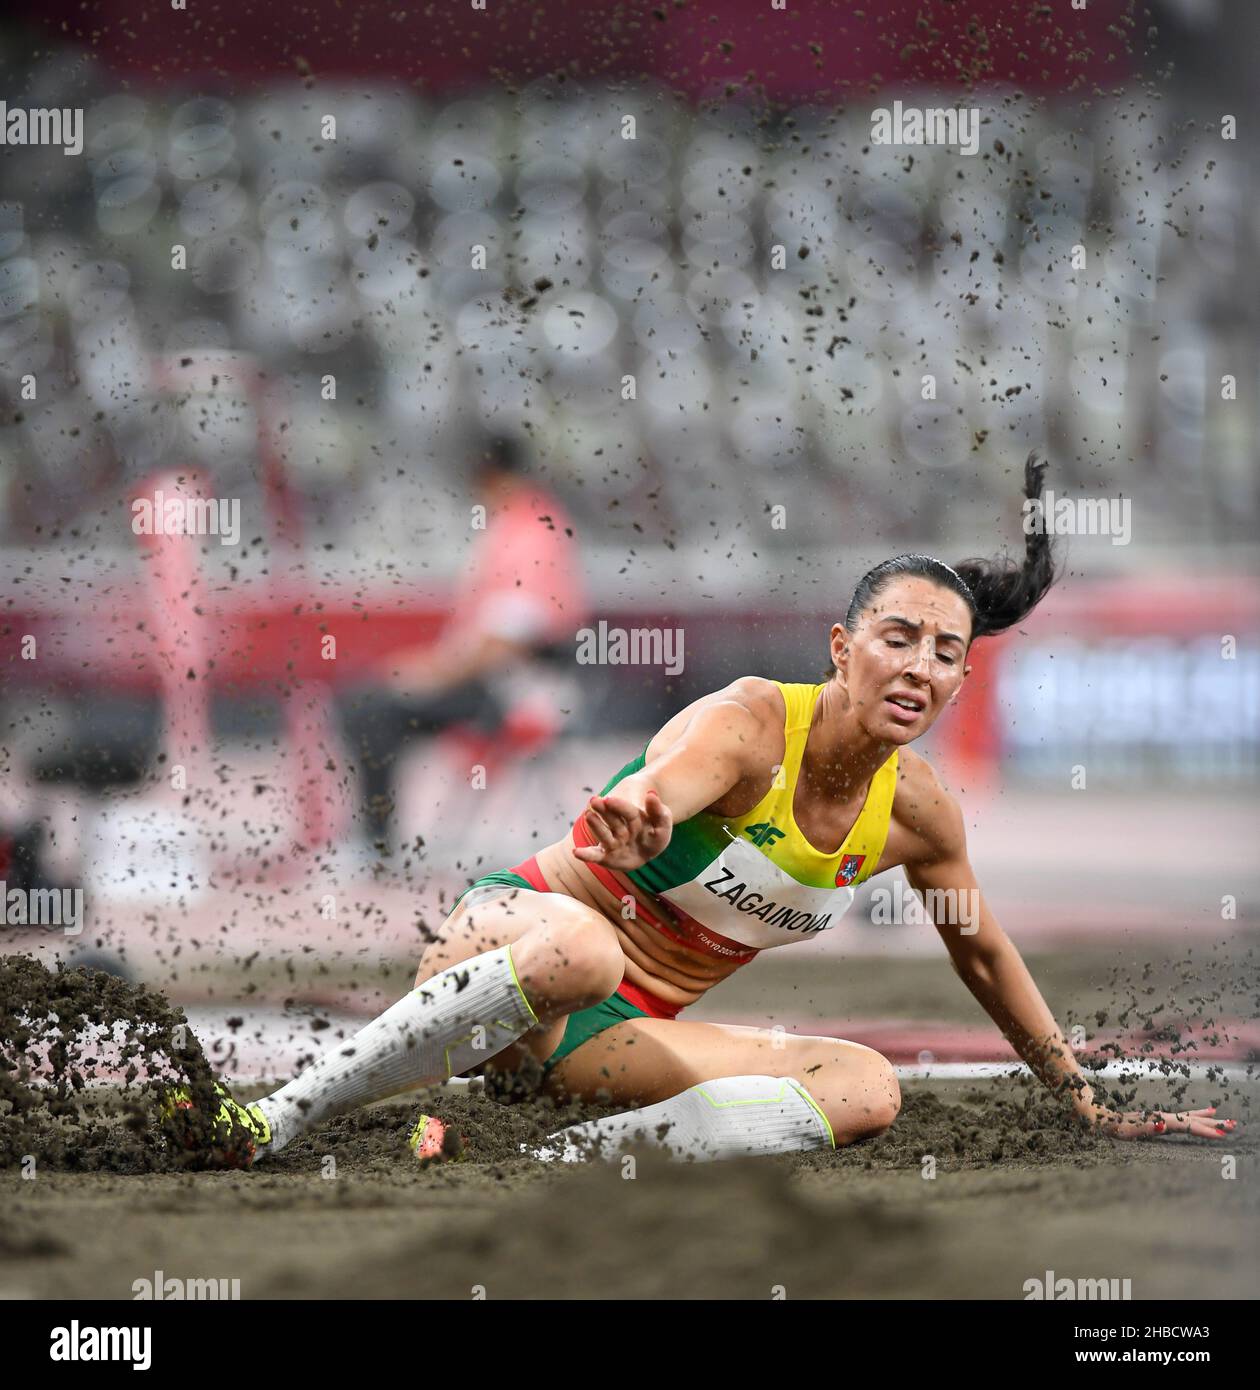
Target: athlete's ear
(840, 641)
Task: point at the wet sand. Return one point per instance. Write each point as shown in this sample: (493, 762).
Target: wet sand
(1012, 1197)
(113, 1197)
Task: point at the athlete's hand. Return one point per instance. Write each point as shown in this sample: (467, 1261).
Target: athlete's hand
(1139, 1124)
(626, 837)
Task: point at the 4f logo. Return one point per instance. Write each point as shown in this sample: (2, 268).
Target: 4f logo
(764, 833)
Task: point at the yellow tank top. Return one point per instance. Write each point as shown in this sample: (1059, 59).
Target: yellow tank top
(772, 828)
(745, 883)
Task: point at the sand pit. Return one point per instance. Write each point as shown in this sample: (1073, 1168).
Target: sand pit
(111, 1197)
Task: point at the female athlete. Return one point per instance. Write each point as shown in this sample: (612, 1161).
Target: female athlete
(744, 825)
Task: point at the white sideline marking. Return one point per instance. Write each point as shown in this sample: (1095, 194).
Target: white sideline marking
(983, 1071)
(1113, 1071)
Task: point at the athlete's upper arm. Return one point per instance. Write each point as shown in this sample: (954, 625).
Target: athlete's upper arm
(719, 746)
(934, 819)
(940, 870)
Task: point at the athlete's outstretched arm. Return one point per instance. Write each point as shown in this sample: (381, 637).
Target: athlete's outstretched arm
(715, 751)
(993, 970)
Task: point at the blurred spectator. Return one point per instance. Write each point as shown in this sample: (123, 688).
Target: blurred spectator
(513, 619)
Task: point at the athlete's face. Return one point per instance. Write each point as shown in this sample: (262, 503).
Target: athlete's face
(905, 659)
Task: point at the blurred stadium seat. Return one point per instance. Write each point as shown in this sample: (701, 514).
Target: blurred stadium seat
(351, 256)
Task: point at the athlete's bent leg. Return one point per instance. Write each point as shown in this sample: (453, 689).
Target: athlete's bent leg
(566, 940)
(778, 1093)
(552, 956)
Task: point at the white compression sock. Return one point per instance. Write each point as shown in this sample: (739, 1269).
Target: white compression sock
(460, 1017)
(731, 1117)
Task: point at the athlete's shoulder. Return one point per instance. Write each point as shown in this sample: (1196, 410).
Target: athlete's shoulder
(760, 696)
(735, 718)
(749, 708)
(926, 808)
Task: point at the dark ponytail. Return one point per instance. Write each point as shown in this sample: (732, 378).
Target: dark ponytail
(998, 592)
(1006, 591)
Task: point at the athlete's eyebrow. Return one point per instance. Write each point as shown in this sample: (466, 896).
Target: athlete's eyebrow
(915, 627)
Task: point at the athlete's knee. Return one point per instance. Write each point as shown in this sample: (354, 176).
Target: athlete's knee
(879, 1100)
(856, 1087)
(572, 956)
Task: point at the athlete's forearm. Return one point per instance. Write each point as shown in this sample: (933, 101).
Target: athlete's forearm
(1005, 989)
(993, 970)
(701, 767)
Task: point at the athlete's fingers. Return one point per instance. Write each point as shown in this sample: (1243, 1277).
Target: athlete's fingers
(628, 812)
(591, 853)
(602, 831)
(1198, 1122)
(1177, 1124)
(619, 813)
(1202, 1128)
(1134, 1125)
(625, 837)
(599, 827)
(656, 811)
